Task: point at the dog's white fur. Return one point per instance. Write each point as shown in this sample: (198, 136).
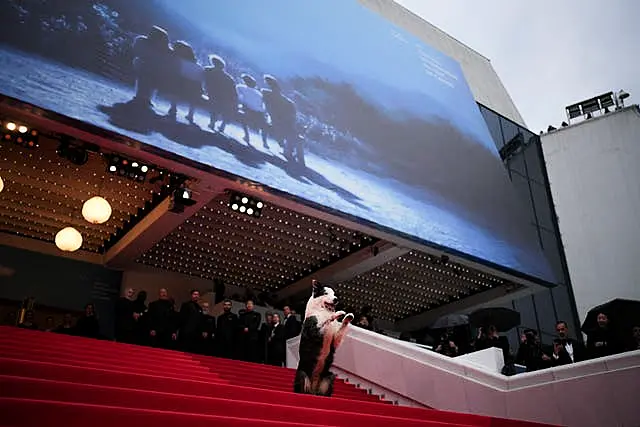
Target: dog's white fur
(332, 330)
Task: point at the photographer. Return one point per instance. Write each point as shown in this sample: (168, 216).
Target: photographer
(530, 353)
(446, 346)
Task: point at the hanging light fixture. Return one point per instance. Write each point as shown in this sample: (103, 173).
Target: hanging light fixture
(96, 210)
(68, 239)
(1, 184)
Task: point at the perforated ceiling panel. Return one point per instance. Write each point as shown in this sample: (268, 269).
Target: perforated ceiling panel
(44, 192)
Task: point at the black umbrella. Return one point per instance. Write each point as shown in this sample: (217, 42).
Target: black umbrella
(623, 315)
(502, 318)
(450, 321)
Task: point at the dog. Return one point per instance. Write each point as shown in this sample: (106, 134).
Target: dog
(322, 334)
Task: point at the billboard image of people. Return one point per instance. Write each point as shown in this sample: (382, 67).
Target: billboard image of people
(322, 99)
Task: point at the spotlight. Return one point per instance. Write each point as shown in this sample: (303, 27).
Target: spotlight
(74, 153)
(180, 199)
(127, 168)
(245, 204)
(20, 134)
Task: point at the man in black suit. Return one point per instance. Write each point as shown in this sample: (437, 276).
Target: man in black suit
(250, 333)
(560, 356)
(277, 342)
(291, 324)
(227, 328)
(190, 323)
(207, 331)
(161, 321)
(575, 349)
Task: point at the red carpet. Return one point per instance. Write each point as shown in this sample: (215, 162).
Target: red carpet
(77, 381)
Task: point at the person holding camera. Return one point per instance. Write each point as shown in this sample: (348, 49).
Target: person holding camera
(447, 346)
(530, 353)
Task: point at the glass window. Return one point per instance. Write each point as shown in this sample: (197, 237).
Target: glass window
(545, 310)
(542, 203)
(522, 189)
(552, 252)
(524, 306)
(547, 338)
(493, 123)
(516, 163)
(533, 157)
(509, 130)
(562, 301)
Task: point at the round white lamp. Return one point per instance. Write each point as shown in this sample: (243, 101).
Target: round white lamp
(68, 239)
(1, 184)
(96, 210)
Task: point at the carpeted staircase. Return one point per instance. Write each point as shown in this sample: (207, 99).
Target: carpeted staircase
(50, 379)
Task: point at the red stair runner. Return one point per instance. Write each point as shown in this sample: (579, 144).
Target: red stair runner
(78, 381)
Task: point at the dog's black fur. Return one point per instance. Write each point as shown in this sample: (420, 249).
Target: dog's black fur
(314, 340)
(311, 341)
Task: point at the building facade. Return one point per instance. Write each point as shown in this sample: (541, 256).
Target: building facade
(525, 162)
(595, 181)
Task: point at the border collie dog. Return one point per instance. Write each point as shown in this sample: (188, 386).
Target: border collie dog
(322, 333)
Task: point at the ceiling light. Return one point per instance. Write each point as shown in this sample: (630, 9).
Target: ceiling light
(1, 184)
(68, 239)
(22, 129)
(96, 210)
(11, 126)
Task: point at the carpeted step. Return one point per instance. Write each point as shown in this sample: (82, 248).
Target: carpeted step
(28, 336)
(79, 374)
(108, 362)
(29, 413)
(236, 392)
(99, 348)
(284, 411)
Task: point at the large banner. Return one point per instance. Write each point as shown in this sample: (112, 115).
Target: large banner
(322, 99)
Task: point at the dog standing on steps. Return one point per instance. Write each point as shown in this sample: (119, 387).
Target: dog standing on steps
(322, 334)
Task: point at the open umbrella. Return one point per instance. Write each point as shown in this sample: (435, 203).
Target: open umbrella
(450, 321)
(502, 318)
(623, 315)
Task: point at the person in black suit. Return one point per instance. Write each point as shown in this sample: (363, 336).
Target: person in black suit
(124, 319)
(265, 333)
(161, 321)
(190, 323)
(292, 326)
(277, 342)
(207, 330)
(575, 349)
(560, 356)
(249, 333)
(530, 353)
(227, 328)
(603, 341)
(87, 325)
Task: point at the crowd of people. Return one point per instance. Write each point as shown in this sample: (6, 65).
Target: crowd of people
(602, 341)
(192, 328)
(246, 336)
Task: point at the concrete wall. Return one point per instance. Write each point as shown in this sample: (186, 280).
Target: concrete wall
(594, 173)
